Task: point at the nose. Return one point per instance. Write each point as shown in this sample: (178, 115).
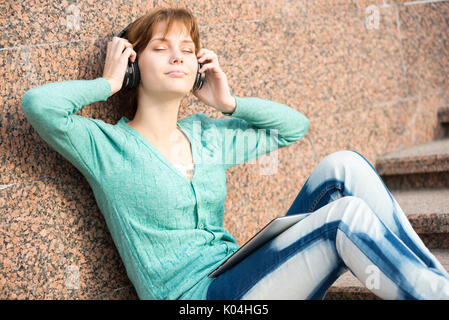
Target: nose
(176, 58)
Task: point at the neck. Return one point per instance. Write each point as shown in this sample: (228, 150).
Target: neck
(156, 118)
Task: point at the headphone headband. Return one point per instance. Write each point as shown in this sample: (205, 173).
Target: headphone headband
(122, 33)
(132, 75)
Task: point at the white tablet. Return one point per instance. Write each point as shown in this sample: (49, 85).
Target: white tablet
(271, 230)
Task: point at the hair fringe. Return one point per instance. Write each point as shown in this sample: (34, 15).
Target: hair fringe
(140, 33)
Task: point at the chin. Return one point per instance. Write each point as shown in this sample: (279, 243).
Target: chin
(180, 88)
(170, 89)
(180, 92)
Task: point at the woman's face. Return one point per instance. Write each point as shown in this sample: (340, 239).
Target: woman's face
(159, 57)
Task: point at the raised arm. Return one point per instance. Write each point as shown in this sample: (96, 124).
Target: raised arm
(50, 110)
(258, 127)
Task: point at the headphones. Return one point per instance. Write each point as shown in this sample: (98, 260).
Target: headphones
(132, 75)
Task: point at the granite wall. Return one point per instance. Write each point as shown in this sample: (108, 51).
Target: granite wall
(368, 74)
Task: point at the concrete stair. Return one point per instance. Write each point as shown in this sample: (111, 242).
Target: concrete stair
(418, 178)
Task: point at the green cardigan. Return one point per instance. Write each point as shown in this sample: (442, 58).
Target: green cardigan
(167, 229)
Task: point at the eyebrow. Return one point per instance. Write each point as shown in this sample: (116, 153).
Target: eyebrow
(164, 40)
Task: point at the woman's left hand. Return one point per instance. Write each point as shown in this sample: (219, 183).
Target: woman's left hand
(215, 90)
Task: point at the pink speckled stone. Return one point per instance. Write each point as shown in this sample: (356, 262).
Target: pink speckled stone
(371, 90)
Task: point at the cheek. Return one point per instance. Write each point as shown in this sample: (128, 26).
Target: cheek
(194, 68)
(149, 68)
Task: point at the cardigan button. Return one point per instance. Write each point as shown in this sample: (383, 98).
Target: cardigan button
(201, 226)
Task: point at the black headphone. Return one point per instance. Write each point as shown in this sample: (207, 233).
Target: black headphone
(132, 75)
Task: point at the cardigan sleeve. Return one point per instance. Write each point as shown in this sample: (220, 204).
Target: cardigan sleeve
(258, 127)
(50, 110)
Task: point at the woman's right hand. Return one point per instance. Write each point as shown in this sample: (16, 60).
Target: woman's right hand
(118, 53)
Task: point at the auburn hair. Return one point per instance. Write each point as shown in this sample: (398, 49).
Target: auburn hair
(140, 32)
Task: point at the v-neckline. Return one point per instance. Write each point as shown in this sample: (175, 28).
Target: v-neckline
(147, 142)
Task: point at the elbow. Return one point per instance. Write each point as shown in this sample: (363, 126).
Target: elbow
(26, 100)
(30, 102)
(300, 131)
(303, 127)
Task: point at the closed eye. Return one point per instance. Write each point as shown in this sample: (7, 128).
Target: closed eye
(164, 49)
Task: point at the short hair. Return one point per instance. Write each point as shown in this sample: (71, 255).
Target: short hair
(140, 32)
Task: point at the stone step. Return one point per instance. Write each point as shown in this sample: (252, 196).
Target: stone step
(432, 156)
(443, 114)
(422, 166)
(427, 209)
(417, 180)
(428, 213)
(442, 129)
(348, 287)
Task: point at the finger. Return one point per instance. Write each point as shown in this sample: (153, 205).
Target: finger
(205, 57)
(127, 45)
(128, 53)
(133, 56)
(213, 67)
(206, 67)
(204, 51)
(120, 48)
(116, 41)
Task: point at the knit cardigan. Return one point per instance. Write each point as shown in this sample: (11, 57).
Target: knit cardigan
(168, 230)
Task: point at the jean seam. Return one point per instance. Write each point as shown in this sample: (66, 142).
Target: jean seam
(320, 196)
(246, 289)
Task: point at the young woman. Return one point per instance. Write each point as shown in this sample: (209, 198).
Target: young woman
(168, 226)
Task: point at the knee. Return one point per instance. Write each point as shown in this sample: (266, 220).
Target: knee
(344, 161)
(343, 157)
(349, 201)
(351, 208)
(356, 216)
(359, 218)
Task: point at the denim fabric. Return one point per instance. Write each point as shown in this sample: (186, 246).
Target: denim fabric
(167, 229)
(355, 224)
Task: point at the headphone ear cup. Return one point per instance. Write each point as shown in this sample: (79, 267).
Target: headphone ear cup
(200, 78)
(132, 75)
(195, 85)
(136, 74)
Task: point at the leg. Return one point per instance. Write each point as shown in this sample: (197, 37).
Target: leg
(348, 173)
(303, 261)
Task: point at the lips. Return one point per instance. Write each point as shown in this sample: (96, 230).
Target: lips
(176, 73)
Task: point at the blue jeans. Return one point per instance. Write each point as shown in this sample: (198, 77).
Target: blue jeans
(355, 224)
